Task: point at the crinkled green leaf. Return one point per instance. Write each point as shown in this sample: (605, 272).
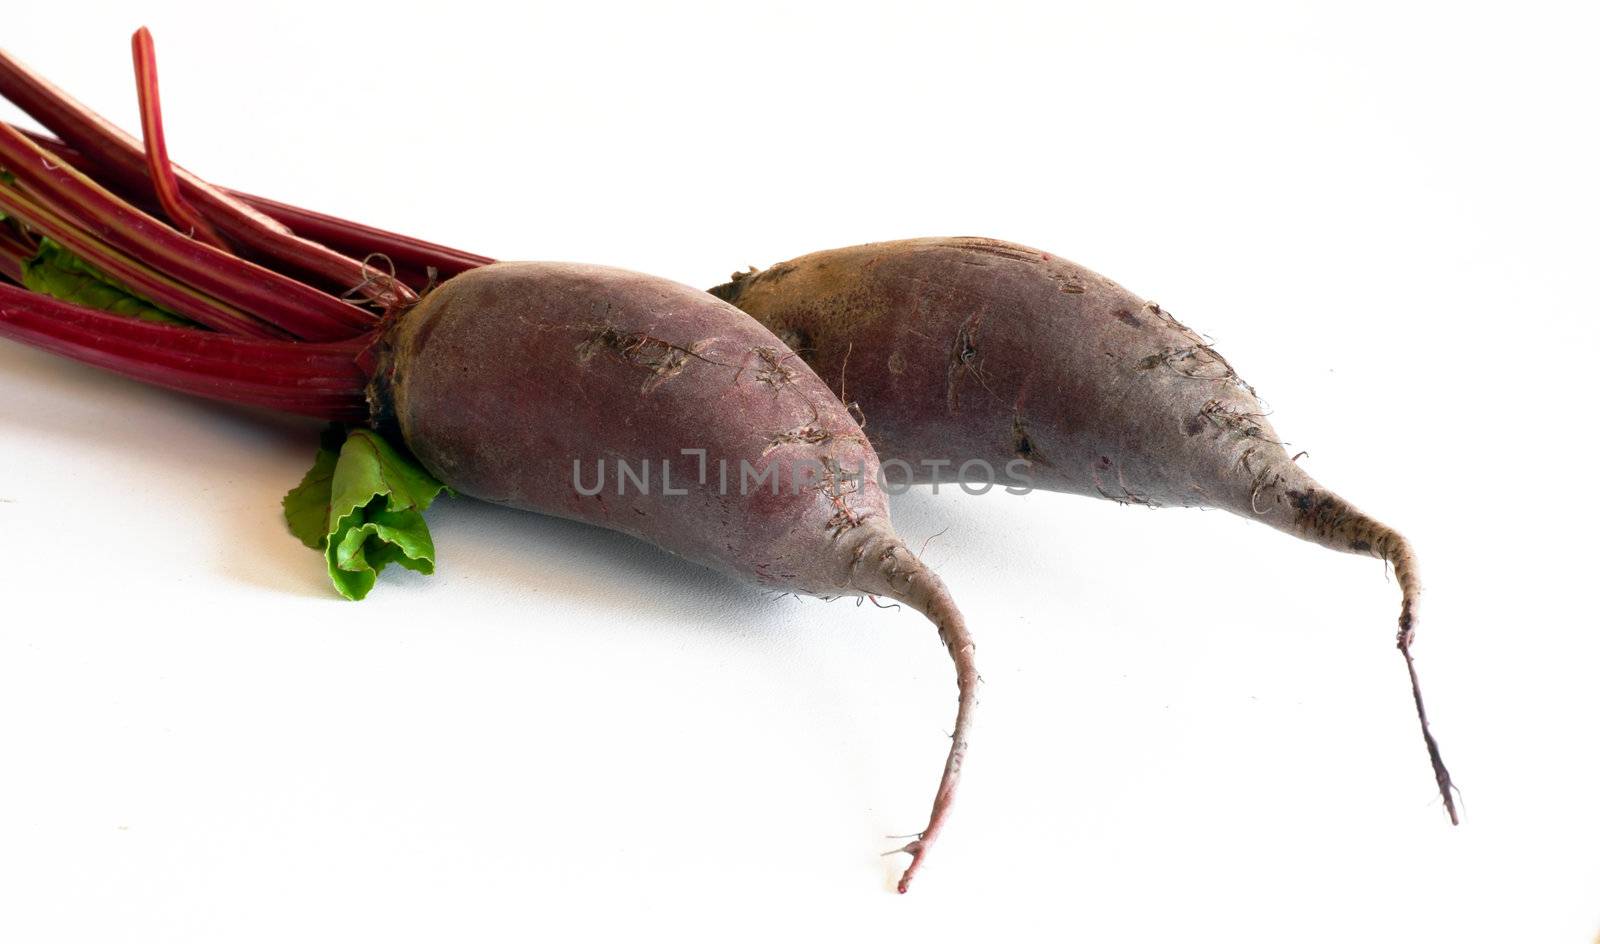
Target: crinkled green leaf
(361, 504)
(59, 273)
(306, 505)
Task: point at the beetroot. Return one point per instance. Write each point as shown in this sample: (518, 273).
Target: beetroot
(1003, 358)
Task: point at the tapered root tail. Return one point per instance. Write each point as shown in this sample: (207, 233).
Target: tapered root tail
(1288, 499)
(1398, 553)
(914, 584)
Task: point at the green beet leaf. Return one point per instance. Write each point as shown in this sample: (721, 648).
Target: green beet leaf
(361, 505)
(307, 505)
(61, 274)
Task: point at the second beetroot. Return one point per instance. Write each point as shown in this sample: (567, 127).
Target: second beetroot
(969, 350)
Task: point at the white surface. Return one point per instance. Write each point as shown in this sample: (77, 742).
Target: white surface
(1193, 729)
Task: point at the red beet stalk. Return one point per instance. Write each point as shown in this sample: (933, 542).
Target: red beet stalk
(357, 239)
(123, 159)
(44, 215)
(246, 358)
(239, 285)
(155, 146)
(318, 380)
(412, 257)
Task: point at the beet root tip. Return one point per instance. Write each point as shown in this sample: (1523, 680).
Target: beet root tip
(1441, 774)
(919, 588)
(1395, 550)
(916, 849)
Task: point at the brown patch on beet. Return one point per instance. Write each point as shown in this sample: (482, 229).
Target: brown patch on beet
(772, 370)
(662, 359)
(1127, 497)
(1195, 361)
(1165, 317)
(1128, 318)
(1265, 477)
(973, 249)
(1119, 491)
(1233, 419)
(964, 362)
(996, 248)
(808, 434)
(1364, 547)
(1326, 515)
(1021, 443)
(838, 487)
(965, 352)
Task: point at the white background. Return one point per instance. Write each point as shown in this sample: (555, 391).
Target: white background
(1194, 728)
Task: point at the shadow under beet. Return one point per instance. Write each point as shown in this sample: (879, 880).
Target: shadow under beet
(505, 550)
